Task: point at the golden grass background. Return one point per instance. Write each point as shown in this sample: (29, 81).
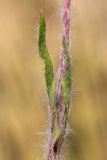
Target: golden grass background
(23, 100)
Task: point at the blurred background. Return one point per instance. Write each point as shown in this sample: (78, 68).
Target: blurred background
(23, 99)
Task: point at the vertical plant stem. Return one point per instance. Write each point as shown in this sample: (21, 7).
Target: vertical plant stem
(59, 87)
(62, 107)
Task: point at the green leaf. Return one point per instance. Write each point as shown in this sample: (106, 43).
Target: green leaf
(66, 83)
(44, 54)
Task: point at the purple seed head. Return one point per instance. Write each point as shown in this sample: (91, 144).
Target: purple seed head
(66, 21)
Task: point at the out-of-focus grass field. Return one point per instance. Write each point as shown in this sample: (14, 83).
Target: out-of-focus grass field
(23, 99)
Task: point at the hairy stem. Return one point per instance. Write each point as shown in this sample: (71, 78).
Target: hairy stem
(59, 87)
(62, 91)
